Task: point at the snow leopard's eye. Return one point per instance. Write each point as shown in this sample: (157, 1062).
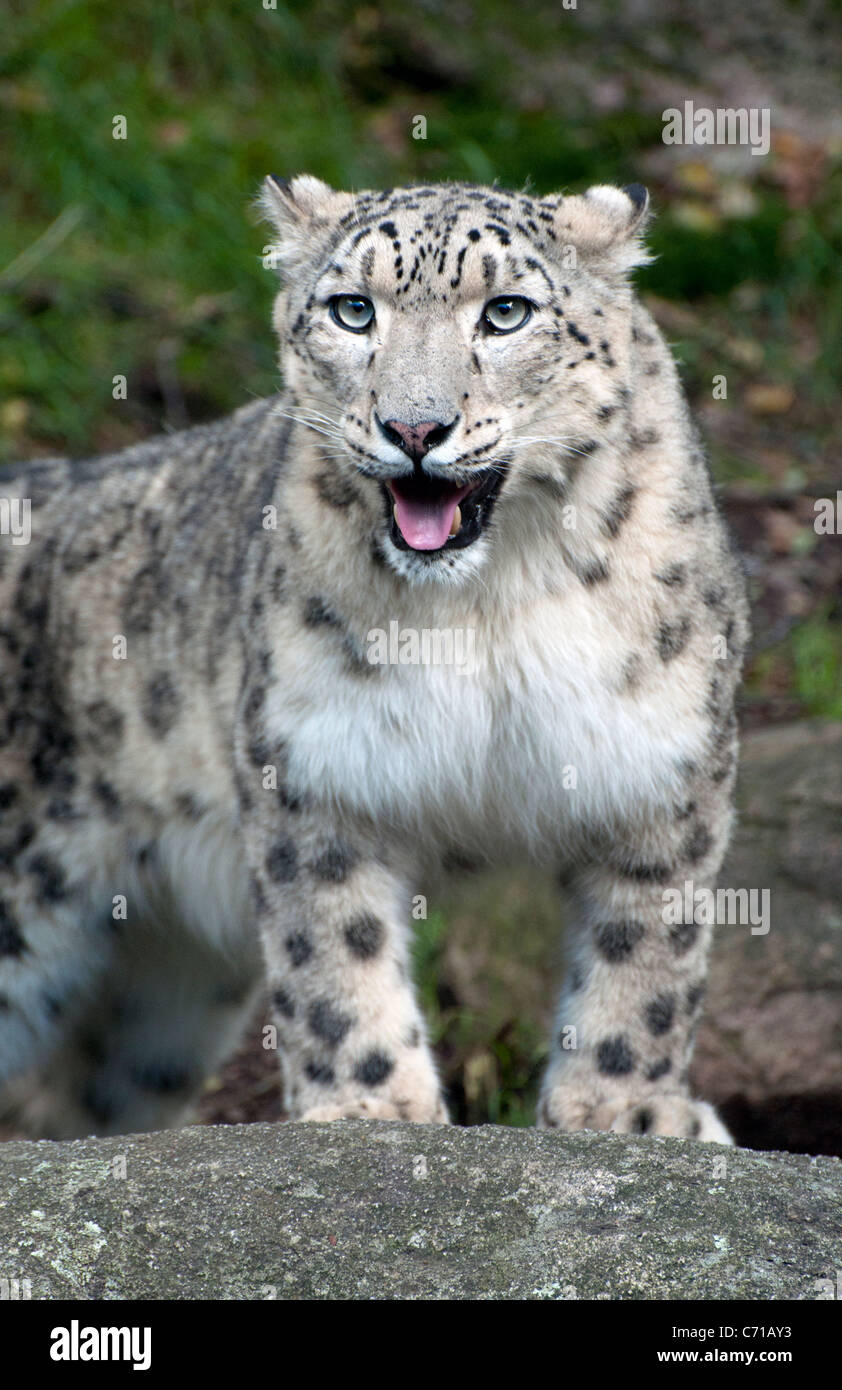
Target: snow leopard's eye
(506, 313)
(352, 311)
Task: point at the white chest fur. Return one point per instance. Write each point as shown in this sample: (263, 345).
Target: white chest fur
(537, 737)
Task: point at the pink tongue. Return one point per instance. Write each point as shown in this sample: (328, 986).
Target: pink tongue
(426, 525)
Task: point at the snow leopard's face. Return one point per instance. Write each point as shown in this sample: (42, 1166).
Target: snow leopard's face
(461, 348)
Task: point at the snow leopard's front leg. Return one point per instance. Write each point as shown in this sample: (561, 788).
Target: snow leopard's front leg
(625, 1024)
(334, 921)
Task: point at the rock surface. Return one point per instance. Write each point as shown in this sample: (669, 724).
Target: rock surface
(770, 1046)
(361, 1210)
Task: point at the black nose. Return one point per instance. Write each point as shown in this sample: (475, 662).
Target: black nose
(415, 440)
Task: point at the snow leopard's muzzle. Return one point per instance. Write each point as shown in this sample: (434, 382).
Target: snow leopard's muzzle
(437, 506)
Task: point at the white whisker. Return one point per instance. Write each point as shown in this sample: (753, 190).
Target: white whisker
(310, 424)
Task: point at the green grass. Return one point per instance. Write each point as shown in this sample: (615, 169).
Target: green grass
(808, 663)
(817, 654)
(214, 98)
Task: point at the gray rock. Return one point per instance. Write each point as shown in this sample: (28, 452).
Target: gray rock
(361, 1210)
(770, 1046)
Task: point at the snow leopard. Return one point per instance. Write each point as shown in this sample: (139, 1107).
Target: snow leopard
(240, 736)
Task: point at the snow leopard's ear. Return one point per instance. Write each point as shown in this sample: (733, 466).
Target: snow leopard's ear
(300, 209)
(605, 225)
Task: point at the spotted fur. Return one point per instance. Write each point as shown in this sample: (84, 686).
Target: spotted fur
(205, 785)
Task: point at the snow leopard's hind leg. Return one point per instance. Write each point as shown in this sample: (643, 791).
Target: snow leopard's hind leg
(134, 1053)
(51, 953)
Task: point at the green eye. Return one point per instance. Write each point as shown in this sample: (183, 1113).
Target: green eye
(352, 311)
(506, 313)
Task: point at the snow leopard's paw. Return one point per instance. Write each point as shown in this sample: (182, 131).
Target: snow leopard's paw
(369, 1108)
(660, 1112)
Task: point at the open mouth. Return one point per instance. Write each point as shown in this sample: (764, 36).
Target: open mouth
(431, 514)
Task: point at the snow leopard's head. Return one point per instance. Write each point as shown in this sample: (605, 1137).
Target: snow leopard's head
(460, 350)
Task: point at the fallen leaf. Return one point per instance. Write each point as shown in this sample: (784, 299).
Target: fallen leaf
(14, 414)
(769, 400)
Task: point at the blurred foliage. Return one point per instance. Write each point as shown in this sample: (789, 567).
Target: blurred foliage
(137, 257)
(481, 969)
(217, 95)
(817, 653)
